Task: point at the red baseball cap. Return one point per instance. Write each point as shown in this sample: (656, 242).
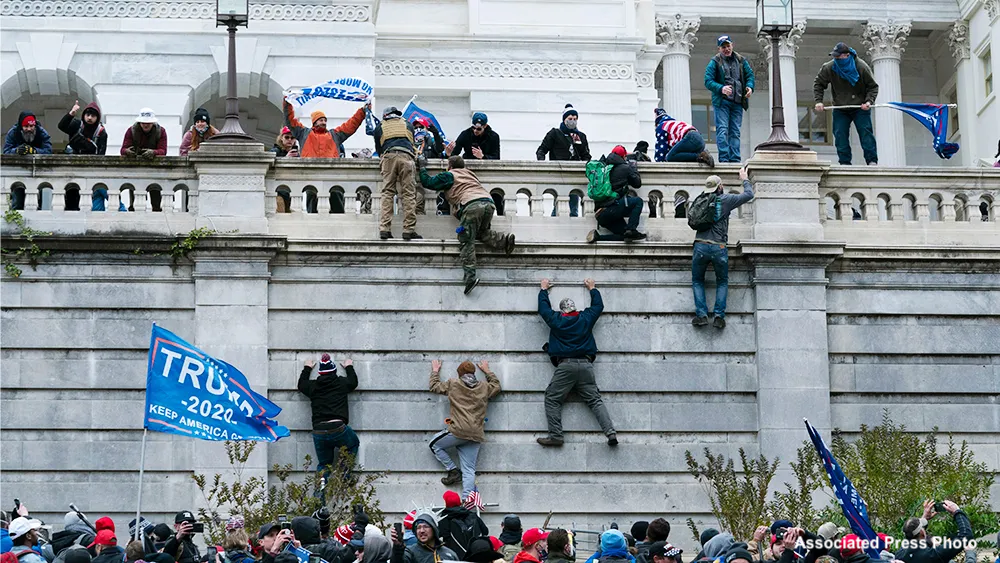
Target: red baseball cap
(104, 537)
(532, 536)
(850, 545)
(28, 120)
(104, 523)
(619, 150)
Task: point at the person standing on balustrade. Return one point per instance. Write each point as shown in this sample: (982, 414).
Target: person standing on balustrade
(853, 84)
(730, 79)
(566, 142)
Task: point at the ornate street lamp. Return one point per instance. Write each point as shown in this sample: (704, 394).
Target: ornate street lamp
(232, 14)
(774, 18)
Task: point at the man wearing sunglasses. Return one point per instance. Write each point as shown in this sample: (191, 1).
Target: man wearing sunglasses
(479, 142)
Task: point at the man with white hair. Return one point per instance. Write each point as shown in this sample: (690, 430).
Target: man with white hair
(572, 349)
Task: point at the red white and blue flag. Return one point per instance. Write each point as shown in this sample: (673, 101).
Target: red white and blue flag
(935, 118)
(474, 501)
(413, 111)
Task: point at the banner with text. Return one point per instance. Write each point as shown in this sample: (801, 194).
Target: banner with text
(349, 89)
(193, 394)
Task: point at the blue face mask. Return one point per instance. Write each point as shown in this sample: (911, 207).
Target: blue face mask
(847, 69)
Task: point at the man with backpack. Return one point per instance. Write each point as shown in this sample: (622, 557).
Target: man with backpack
(709, 216)
(608, 181)
(459, 526)
(24, 535)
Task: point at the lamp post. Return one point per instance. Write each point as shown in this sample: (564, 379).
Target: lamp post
(232, 14)
(774, 18)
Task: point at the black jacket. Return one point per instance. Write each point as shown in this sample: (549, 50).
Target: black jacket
(65, 538)
(488, 142)
(85, 139)
(111, 554)
(328, 394)
(557, 145)
(940, 554)
(572, 335)
(452, 525)
(307, 531)
(624, 175)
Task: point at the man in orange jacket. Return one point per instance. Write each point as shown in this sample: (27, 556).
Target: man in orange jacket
(318, 141)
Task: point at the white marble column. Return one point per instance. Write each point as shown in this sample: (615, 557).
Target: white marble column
(958, 41)
(677, 35)
(788, 45)
(886, 41)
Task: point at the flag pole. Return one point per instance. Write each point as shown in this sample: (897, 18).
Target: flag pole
(878, 106)
(142, 467)
(413, 99)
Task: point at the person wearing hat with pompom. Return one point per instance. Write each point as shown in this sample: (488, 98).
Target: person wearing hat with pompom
(468, 398)
(565, 142)
(478, 142)
(201, 131)
(145, 138)
(330, 416)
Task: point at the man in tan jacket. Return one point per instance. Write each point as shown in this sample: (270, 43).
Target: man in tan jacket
(468, 397)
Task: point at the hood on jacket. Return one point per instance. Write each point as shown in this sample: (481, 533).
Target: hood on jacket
(378, 549)
(613, 540)
(93, 107)
(719, 545)
(430, 519)
(73, 522)
(22, 115)
(306, 530)
(510, 537)
(613, 158)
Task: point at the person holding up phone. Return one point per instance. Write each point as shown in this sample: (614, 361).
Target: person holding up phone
(181, 546)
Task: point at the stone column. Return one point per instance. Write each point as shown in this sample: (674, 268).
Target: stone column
(677, 35)
(231, 188)
(958, 40)
(787, 47)
(886, 41)
(649, 58)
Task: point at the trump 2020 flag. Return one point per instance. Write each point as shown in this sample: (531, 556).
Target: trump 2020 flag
(193, 394)
(851, 503)
(935, 118)
(413, 111)
(349, 89)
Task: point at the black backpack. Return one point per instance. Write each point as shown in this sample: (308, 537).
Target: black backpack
(703, 211)
(460, 534)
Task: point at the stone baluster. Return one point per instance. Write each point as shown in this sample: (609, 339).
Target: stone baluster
(923, 211)
(138, 200)
(895, 209)
(377, 206)
(871, 210)
(995, 208)
(537, 204)
(166, 201)
(846, 209)
(678, 35)
(562, 205)
(886, 41)
(350, 201)
(58, 198)
(323, 194)
(586, 207)
(948, 210)
(510, 203)
(31, 196)
(822, 210)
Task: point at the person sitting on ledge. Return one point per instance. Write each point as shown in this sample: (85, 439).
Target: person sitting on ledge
(611, 213)
(677, 141)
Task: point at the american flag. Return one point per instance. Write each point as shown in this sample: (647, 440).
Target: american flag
(474, 501)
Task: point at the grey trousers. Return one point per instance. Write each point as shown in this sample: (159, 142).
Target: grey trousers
(574, 374)
(468, 455)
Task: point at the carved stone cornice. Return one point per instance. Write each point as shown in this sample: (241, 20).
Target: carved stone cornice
(788, 44)
(992, 8)
(503, 69)
(885, 39)
(958, 40)
(181, 10)
(678, 33)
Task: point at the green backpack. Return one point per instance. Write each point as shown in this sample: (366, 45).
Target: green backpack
(704, 211)
(599, 181)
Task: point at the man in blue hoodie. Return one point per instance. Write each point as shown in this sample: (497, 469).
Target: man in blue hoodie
(572, 349)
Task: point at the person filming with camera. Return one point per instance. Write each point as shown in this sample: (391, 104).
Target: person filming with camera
(931, 549)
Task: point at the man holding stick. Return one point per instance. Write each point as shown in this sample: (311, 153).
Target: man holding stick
(854, 91)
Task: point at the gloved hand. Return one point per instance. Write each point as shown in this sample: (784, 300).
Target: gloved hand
(147, 154)
(361, 519)
(130, 152)
(422, 162)
(25, 149)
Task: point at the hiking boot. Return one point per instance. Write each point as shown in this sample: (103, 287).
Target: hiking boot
(719, 322)
(634, 235)
(592, 237)
(508, 244)
(613, 440)
(550, 442)
(700, 321)
(470, 285)
(411, 236)
(385, 235)
(706, 159)
(453, 477)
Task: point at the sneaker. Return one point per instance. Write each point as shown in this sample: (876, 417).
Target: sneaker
(592, 237)
(719, 322)
(508, 244)
(385, 235)
(705, 158)
(634, 235)
(700, 321)
(411, 236)
(470, 285)
(550, 442)
(613, 440)
(453, 477)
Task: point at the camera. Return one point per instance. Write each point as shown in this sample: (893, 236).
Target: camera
(197, 527)
(286, 525)
(780, 535)
(939, 506)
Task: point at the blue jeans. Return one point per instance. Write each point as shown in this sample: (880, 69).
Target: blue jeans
(719, 258)
(613, 217)
(728, 119)
(97, 199)
(842, 119)
(574, 206)
(687, 149)
(328, 448)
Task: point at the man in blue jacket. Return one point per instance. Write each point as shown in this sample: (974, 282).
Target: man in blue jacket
(572, 349)
(730, 79)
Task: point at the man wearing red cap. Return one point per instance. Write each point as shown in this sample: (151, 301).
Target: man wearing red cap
(27, 137)
(619, 213)
(459, 526)
(330, 416)
(106, 547)
(532, 545)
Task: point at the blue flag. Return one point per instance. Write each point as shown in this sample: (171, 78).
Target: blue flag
(935, 118)
(851, 503)
(412, 111)
(193, 394)
(301, 553)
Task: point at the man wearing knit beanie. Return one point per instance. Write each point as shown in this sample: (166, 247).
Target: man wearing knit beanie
(565, 142)
(468, 398)
(330, 417)
(458, 525)
(318, 141)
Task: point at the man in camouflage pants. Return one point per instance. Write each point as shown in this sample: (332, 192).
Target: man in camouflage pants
(473, 206)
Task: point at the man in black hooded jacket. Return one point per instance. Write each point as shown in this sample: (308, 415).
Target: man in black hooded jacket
(619, 214)
(330, 417)
(86, 135)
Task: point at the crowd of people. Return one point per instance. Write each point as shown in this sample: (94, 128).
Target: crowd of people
(457, 533)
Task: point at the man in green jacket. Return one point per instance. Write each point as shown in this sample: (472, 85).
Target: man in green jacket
(730, 79)
(474, 208)
(853, 84)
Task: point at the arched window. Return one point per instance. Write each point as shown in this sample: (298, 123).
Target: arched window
(523, 203)
(310, 197)
(154, 193)
(858, 212)
(498, 194)
(655, 204)
(832, 206)
(181, 194)
(337, 199)
(71, 199)
(909, 207)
